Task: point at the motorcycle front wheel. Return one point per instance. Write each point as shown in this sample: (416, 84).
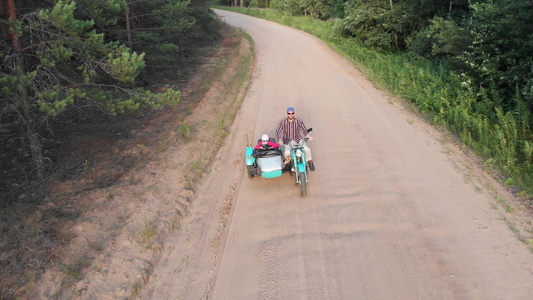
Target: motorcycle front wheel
(303, 187)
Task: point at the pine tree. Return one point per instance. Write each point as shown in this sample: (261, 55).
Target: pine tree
(55, 60)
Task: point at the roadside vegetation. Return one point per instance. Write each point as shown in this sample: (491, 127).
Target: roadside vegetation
(466, 65)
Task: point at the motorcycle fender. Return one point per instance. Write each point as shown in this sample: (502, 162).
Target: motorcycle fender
(301, 168)
(250, 160)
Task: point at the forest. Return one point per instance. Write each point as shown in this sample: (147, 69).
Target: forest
(67, 64)
(468, 64)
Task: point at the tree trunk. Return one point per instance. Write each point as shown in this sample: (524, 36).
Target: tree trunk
(128, 30)
(35, 143)
(3, 27)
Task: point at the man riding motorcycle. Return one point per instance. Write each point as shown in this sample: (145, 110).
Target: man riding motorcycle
(289, 133)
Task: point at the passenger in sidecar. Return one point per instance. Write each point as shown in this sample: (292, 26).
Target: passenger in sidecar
(264, 159)
(266, 143)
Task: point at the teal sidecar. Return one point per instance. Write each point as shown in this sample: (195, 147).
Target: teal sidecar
(264, 163)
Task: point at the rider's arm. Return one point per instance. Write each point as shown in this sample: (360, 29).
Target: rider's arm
(302, 127)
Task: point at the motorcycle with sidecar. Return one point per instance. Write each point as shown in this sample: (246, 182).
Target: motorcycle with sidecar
(270, 164)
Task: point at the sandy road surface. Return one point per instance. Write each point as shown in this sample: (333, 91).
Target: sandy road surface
(392, 212)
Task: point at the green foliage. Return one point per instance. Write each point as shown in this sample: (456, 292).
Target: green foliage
(68, 46)
(159, 29)
(69, 58)
(104, 13)
(382, 24)
(62, 16)
(442, 39)
(125, 66)
(185, 131)
(15, 27)
(370, 24)
(56, 107)
(276, 4)
(177, 17)
(334, 9)
(313, 8)
(501, 54)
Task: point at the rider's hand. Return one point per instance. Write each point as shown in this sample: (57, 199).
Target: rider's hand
(310, 138)
(280, 142)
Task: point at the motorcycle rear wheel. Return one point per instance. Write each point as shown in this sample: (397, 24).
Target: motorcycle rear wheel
(303, 186)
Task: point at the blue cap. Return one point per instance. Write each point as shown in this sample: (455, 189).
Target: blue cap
(290, 109)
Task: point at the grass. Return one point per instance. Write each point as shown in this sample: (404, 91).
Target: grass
(529, 242)
(196, 169)
(136, 287)
(73, 271)
(147, 233)
(185, 132)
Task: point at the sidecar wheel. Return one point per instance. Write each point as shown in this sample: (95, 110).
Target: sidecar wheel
(250, 172)
(303, 186)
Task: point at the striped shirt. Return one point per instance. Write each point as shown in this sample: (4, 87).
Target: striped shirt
(291, 131)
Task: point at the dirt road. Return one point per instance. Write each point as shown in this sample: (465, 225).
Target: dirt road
(393, 210)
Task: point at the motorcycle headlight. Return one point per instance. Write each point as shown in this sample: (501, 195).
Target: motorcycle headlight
(298, 153)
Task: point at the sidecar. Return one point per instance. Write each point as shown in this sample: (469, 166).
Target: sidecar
(264, 163)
